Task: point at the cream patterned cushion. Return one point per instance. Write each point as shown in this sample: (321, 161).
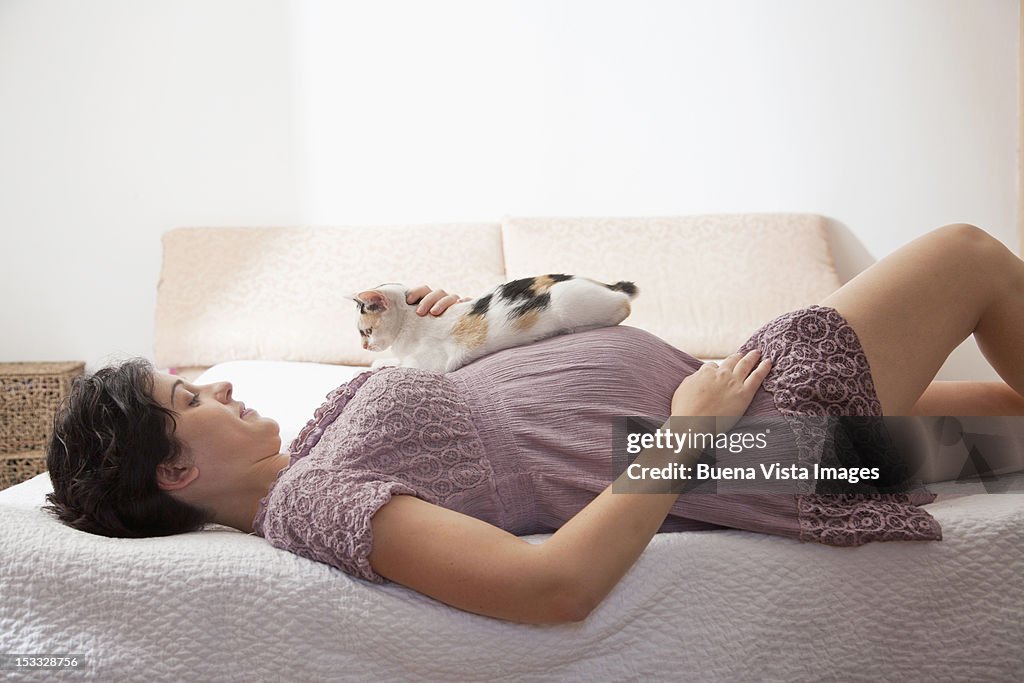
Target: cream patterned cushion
(706, 282)
(278, 293)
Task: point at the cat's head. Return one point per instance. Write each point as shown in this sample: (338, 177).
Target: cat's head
(380, 317)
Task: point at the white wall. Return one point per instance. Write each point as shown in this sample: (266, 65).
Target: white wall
(119, 120)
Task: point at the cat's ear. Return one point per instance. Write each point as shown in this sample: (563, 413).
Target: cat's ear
(355, 298)
(371, 301)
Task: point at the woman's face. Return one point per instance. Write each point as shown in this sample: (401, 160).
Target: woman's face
(217, 438)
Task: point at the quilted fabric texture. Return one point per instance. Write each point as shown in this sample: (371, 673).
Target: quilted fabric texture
(706, 282)
(278, 293)
(701, 606)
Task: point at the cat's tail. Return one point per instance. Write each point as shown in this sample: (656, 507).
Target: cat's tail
(625, 287)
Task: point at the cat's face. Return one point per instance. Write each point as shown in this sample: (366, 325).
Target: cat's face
(379, 318)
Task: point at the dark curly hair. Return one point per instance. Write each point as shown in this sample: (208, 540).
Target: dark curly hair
(109, 435)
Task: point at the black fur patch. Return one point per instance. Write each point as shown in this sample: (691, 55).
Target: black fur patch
(533, 303)
(367, 308)
(481, 305)
(623, 286)
(559, 277)
(517, 289)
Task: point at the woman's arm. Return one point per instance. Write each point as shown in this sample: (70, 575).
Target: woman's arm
(477, 567)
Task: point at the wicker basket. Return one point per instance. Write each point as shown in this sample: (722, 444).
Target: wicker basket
(29, 396)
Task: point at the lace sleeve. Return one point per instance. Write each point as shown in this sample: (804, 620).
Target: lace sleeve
(325, 517)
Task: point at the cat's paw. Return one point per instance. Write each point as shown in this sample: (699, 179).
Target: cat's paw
(386, 362)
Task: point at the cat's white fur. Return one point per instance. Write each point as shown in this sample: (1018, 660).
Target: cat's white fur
(449, 341)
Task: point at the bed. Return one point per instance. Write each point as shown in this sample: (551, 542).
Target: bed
(710, 605)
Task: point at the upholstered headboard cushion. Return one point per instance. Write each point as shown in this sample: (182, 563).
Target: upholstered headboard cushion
(706, 282)
(277, 293)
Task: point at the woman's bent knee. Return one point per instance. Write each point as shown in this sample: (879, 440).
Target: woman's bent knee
(965, 235)
(974, 247)
(970, 238)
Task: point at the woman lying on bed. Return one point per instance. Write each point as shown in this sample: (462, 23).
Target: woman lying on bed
(428, 480)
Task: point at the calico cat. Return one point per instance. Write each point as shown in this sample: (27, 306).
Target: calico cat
(512, 314)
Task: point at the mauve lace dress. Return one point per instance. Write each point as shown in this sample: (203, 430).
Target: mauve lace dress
(522, 439)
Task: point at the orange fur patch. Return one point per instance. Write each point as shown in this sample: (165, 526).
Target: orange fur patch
(526, 320)
(541, 284)
(470, 331)
(369, 320)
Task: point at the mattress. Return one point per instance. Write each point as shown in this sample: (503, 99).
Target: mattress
(710, 605)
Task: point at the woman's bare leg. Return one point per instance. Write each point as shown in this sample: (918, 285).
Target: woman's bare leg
(945, 461)
(969, 398)
(912, 308)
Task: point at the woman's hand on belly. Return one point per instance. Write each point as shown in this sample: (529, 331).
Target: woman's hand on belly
(724, 391)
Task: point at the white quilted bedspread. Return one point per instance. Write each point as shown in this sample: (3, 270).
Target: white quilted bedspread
(719, 605)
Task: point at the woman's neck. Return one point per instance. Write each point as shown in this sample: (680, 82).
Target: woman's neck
(240, 511)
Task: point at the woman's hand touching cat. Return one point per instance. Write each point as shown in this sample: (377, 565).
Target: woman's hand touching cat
(434, 302)
(724, 391)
